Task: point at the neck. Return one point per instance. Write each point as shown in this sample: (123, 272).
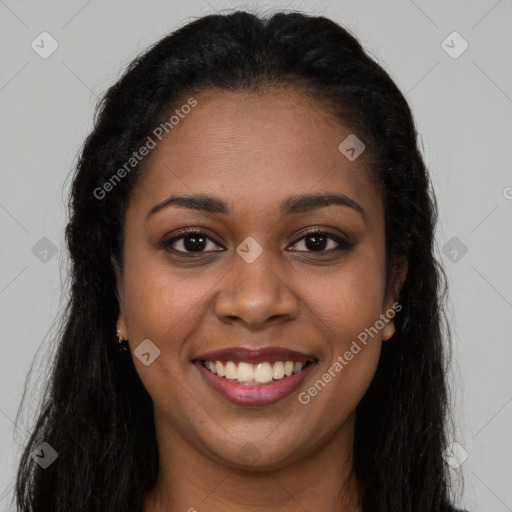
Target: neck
(190, 480)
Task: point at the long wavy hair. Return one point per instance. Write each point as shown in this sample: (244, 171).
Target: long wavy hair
(95, 411)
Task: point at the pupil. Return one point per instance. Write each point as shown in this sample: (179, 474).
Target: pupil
(319, 242)
(198, 243)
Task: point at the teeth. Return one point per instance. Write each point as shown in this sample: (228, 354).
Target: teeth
(220, 368)
(245, 372)
(278, 370)
(230, 370)
(260, 373)
(263, 373)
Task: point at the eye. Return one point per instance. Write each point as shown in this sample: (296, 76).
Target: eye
(191, 241)
(196, 241)
(323, 242)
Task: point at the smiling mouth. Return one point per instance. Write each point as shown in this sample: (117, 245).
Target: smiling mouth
(258, 374)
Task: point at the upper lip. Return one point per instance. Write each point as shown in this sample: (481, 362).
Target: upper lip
(255, 355)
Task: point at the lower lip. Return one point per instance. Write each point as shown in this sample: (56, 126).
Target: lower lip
(255, 395)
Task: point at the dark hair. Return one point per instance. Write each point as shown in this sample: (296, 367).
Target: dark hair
(97, 414)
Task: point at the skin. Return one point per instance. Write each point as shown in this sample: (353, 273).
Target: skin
(253, 151)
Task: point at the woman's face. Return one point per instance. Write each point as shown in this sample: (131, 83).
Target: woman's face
(253, 283)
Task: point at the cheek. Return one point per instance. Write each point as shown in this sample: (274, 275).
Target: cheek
(164, 307)
(348, 299)
(168, 307)
(161, 302)
(347, 305)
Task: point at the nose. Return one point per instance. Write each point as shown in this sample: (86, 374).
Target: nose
(255, 294)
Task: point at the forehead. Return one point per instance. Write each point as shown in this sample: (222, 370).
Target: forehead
(255, 148)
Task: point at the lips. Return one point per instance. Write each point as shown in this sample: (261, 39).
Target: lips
(255, 355)
(254, 377)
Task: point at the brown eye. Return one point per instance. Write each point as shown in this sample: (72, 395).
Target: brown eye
(323, 242)
(198, 242)
(190, 242)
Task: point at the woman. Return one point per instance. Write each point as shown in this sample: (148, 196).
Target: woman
(252, 223)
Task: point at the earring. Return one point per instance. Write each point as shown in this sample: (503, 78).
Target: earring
(121, 343)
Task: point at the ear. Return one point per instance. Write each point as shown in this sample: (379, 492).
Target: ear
(399, 273)
(118, 290)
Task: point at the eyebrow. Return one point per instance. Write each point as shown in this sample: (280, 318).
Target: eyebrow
(291, 206)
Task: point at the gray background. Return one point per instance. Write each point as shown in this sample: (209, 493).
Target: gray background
(462, 107)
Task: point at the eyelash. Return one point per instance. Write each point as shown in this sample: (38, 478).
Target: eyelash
(342, 244)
